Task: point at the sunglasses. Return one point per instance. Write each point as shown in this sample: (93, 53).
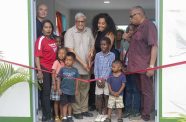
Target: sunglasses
(131, 16)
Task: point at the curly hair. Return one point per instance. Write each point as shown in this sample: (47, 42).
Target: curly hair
(109, 21)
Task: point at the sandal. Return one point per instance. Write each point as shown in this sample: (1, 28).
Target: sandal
(107, 120)
(120, 120)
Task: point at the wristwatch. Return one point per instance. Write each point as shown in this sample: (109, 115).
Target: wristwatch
(151, 66)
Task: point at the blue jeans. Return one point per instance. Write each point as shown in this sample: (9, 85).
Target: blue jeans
(132, 94)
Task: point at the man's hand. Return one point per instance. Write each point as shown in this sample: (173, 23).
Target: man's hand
(150, 73)
(86, 67)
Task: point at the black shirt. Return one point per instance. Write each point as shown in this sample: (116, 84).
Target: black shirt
(39, 27)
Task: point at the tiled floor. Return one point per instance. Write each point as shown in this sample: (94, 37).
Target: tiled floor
(114, 118)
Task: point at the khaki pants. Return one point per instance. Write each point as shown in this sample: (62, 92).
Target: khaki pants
(81, 104)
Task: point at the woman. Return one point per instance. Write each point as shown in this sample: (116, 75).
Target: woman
(45, 55)
(103, 25)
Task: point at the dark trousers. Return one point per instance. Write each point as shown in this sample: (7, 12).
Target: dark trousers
(45, 94)
(146, 89)
(132, 94)
(91, 101)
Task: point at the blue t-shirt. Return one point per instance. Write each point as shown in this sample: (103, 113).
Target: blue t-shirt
(116, 82)
(67, 82)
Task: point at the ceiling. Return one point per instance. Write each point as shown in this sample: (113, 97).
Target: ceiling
(99, 4)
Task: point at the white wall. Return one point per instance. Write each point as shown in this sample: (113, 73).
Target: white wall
(15, 102)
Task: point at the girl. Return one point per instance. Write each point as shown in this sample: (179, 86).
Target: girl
(58, 64)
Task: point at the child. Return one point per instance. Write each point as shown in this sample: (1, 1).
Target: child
(116, 84)
(58, 41)
(67, 86)
(102, 69)
(58, 64)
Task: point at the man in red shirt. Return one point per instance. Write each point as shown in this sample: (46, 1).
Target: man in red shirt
(142, 55)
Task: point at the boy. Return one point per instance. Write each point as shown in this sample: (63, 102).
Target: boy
(102, 69)
(67, 86)
(116, 84)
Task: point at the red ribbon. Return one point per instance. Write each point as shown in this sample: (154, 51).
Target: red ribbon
(91, 80)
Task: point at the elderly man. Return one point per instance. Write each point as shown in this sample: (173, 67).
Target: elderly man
(79, 40)
(42, 12)
(142, 55)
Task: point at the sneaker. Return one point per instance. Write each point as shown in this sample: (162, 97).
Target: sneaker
(87, 114)
(92, 108)
(145, 117)
(64, 120)
(107, 120)
(78, 116)
(103, 118)
(45, 119)
(135, 115)
(98, 118)
(70, 119)
(57, 119)
(125, 115)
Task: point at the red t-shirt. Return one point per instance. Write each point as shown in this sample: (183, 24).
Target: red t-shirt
(139, 52)
(45, 49)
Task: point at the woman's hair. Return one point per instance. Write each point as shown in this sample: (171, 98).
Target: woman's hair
(109, 21)
(107, 40)
(48, 21)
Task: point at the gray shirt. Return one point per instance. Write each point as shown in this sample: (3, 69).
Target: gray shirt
(81, 43)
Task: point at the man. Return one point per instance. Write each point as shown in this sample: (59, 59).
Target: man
(142, 55)
(42, 12)
(79, 40)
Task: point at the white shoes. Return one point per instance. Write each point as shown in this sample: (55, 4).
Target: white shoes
(103, 118)
(100, 118)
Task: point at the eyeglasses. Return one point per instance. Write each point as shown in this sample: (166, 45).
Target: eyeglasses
(131, 16)
(80, 21)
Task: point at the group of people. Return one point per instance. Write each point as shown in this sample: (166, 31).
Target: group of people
(98, 54)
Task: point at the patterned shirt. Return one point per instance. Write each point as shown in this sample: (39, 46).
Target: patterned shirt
(103, 64)
(139, 53)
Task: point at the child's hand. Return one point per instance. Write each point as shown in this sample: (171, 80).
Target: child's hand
(116, 94)
(54, 87)
(76, 92)
(59, 91)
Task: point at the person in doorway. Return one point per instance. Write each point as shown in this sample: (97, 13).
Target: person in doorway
(67, 86)
(132, 93)
(142, 55)
(120, 44)
(102, 69)
(42, 12)
(80, 41)
(58, 41)
(45, 55)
